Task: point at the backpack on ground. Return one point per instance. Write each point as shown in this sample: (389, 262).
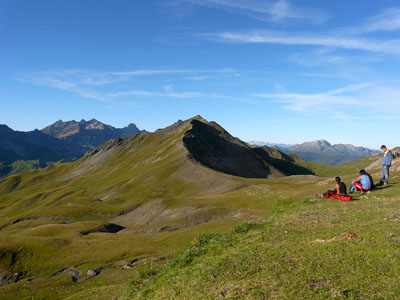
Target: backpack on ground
(344, 197)
(329, 194)
(332, 195)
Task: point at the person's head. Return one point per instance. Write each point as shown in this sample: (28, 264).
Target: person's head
(383, 148)
(362, 172)
(337, 179)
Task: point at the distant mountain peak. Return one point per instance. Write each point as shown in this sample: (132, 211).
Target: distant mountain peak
(198, 118)
(132, 125)
(85, 135)
(324, 142)
(94, 124)
(323, 152)
(5, 129)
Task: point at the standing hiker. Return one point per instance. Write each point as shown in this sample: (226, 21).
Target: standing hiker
(386, 163)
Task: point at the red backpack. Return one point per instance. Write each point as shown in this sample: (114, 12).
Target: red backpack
(344, 197)
(341, 197)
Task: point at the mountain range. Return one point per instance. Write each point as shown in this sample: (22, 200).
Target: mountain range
(68, 141)
(322, 151)
(99, 221)
(60, 141)
(147, 193)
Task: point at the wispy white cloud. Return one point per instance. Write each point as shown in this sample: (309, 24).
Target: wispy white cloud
(87, 84)
(320, 56)
(74, 87)
(364, 100)
(386, 20)
(367, 99)
(168, 71)
(274, 11)
(102, 85)
(168, 87)
(198, 78)
(96, 78)
(347, 65)
(326, 40)
(176, 95)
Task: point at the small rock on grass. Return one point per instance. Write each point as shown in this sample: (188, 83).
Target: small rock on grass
(127, 266)
(92, 272)
(337, 294)
(343, 236)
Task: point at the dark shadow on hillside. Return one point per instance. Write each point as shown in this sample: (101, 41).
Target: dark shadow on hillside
(106, 228)
(218, 150)
(285, 164)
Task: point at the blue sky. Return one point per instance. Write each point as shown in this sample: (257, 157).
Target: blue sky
(268, 70)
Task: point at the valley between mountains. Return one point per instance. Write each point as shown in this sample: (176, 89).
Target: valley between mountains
(87, 229)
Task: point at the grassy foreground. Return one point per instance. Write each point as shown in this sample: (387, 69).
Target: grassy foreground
(306, 249)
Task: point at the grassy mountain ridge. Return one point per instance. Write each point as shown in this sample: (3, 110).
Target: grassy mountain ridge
(55, 221)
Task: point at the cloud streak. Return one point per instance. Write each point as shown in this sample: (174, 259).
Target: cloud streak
(365, 100)
(73, 87)
(86, 83)
(273, 11)
(93, 84)
(370, 99)
(386, 20)
(176, 95)
(95, 78)
(281, 38)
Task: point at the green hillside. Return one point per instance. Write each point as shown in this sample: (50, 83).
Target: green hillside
(305, 249)
(131, 200)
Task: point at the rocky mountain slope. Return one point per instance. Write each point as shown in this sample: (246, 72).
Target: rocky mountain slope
(65, 141)
(84, 136)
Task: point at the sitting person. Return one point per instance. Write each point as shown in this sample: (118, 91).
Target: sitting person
(341, 188)
(339, 193)
(362, 183)
(370, 179)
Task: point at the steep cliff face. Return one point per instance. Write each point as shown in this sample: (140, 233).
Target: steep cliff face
(211, 145)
